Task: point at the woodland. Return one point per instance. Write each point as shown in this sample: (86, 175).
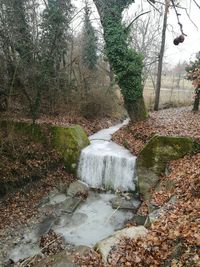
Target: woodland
(67, 71)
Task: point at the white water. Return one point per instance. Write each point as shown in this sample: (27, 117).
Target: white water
(104, 164)
(94, 220)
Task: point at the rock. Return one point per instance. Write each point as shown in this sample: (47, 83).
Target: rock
(78, 188)
(152, 217)
(62, 259)
(82, 250)
(139, 219)
(46, 225)
(70, 204)
(104, 247)
(23, 251)
(69, 142)
(122, 203)
(152, 160)
(167, 184)
(70, 220)
(57, 198)
(156, 212)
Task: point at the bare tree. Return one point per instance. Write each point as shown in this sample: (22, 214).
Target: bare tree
(145, 38)
(161, 55)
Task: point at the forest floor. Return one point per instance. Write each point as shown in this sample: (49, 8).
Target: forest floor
(174, 240)
(175, 121)
(90, 125)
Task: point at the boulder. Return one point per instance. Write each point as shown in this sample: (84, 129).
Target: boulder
(155, 156)
(69, 142)
(104, 247)
(78, 188)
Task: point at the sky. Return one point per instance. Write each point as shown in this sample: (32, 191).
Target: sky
(173, 54)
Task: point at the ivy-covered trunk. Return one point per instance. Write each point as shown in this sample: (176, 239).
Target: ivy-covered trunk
(126, 63)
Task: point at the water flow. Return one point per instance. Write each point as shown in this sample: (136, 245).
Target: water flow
(104, 164)
(92, 221)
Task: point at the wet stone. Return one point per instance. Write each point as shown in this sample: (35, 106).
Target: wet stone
(58, 198)
(77, 188)
(70, 220)
(126, 204)
(46, 225)
(139, 219)
(70, 204)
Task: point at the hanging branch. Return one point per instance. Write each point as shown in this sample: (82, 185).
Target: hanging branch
(180, 7)
(177, 15)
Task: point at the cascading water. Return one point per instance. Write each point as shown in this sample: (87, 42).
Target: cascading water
(106, 164)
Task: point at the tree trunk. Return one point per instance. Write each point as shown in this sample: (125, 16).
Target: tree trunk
(196, 99)
(126, 63)
(137, 110)
(160, 62)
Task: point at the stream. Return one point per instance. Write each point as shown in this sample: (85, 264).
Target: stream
(103, 165)
(106, 164)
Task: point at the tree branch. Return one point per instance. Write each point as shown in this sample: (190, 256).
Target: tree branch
(128, 27)
(196, 4)
(177, 15)
(152, 4)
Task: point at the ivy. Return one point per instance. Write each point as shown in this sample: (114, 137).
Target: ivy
(126, 62)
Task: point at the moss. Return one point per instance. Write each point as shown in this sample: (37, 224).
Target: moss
(153, 159)
(162, 149)
(69, 142)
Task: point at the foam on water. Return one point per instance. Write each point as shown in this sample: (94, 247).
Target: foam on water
(93, 221)
(106, 164)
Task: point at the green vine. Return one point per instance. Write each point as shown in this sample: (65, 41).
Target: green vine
(126, 62)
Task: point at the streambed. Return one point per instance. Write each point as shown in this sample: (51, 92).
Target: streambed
(93, 220)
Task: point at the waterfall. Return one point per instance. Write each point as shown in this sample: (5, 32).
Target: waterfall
(104, 164)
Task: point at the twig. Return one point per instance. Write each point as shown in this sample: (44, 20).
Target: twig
(150, 3)
(177, 15)
(112, 215)
(30, 259)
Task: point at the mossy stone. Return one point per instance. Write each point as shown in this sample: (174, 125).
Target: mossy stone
(69, 142)
(154, 157)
